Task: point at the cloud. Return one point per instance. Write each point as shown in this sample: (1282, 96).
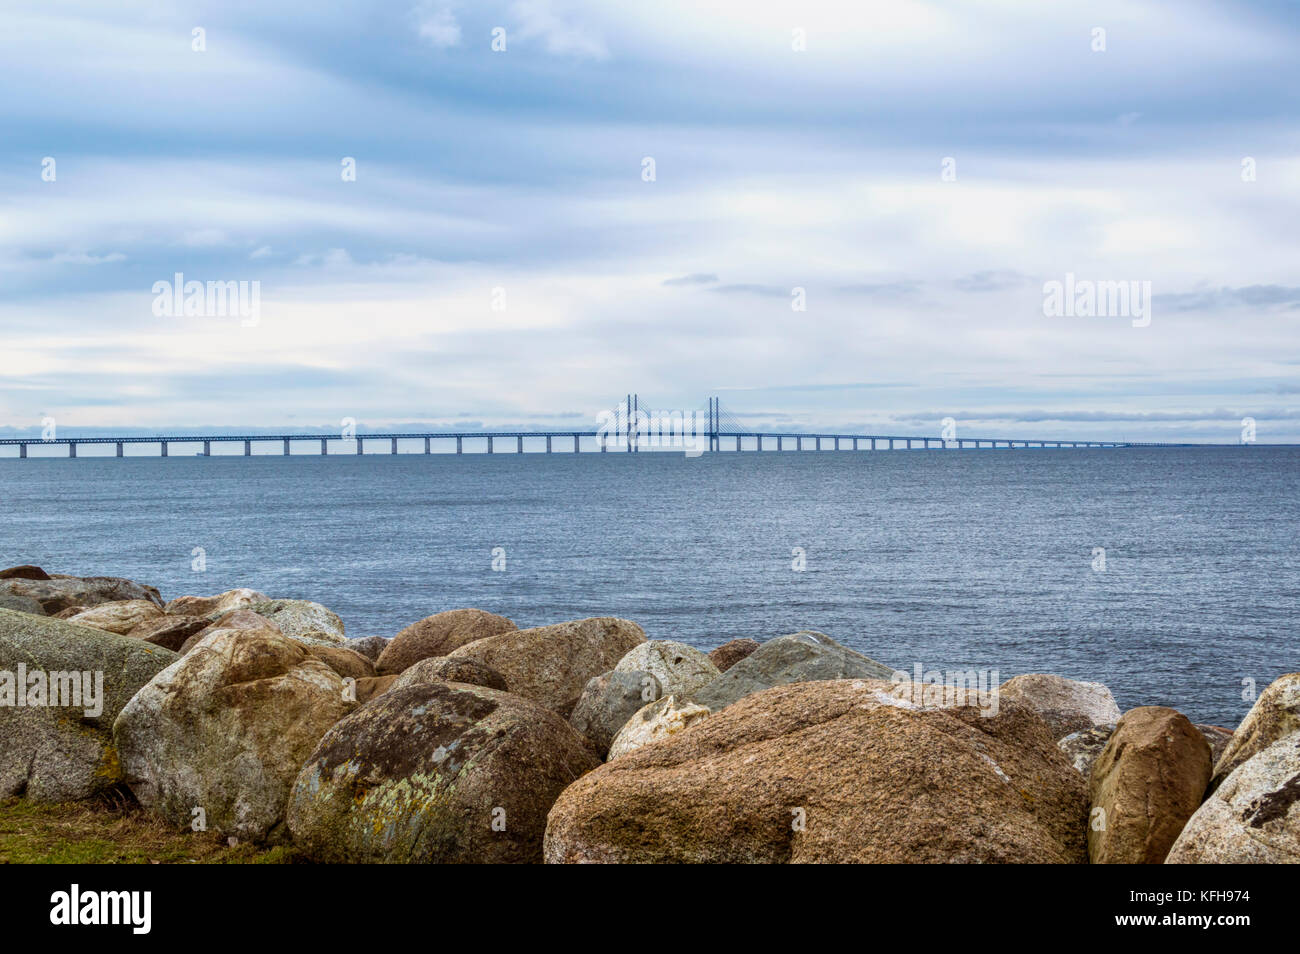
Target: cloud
(695, 278)
(559, 34)
(436, 24)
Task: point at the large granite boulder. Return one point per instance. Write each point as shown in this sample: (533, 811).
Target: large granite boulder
(302, 620)
(1253, 817)
(608, 701)
(655, 722)
(1274, 716)
(243, 620)
(214, 606)
(1066, 705)
(444, 669)
(226, 728)
(732, 652)
(169, 632)
(1146, 783)
(552, 664)
(678, 668)
(59, 592)
(807, 656)
(435, 772)
(832, 771)
(120, 616)
(438, 635)
(55, 753)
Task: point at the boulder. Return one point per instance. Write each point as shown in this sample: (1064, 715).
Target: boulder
(214, 606)
(24, 572)
(20, 604)
(303, 620)
(58, 592)
(1218, 737)
(807, 656)
(239, 619)
(608, 701)
(679, 668)
(441, 669)
(119, 617)
(438, 635)
(1066, 705)
(654, 722)
(368, 687)
(1274, 716)
(343, 661)
(1146, 783)
(1083, 747)
(65, 753)
(732, 652)
(832, 771)
(552, 664)
(226, 728)
(1253, 817)
(169, 632)
(435, 772)
(368, 646)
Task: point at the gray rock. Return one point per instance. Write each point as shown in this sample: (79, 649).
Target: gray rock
(368, 646)
(302, 620)
(1066, 705)
(807, 656)
(680, 669)
(54, 754)
(609, 701)
(1083, 747)
(60, 592)
(471, 672)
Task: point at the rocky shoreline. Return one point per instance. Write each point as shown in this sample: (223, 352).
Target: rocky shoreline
(464, 738)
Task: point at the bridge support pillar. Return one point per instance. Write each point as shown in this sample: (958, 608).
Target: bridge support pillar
(459, 449)
(393, 446)
(72, 449)
(873, 443)
(855, 443)
(575, 443)
(891, 443)
(119, 448)
(737, 442)
(207, 448)
(164, 448)
(909, 443)
(22, 450)
(286, 447)
(361, 446)
(548, 443)
(519, 447)
(819, 443)
(324, 447)
(489, 445)
(837, 443)
(780, 443)
(427, 449)
(759, 439)
(248, 448)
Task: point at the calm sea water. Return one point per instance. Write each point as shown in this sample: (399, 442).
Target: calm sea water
(970, 560)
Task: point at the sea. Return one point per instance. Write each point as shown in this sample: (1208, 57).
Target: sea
(1172, 575)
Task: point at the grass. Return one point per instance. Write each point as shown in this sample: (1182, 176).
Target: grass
(115, 832)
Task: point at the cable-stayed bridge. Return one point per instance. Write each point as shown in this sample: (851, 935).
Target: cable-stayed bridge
(628, 429)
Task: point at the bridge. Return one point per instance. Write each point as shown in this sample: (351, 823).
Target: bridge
(627, 430)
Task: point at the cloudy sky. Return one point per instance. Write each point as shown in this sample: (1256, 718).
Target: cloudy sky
(503, 257)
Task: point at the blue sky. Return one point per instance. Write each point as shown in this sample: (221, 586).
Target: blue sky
(775, 169)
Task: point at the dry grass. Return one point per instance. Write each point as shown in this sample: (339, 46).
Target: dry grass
(115, 831)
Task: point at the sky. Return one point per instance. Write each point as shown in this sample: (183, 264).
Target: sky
(833, 216)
